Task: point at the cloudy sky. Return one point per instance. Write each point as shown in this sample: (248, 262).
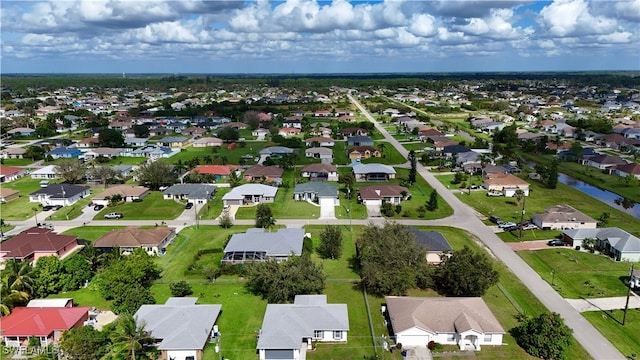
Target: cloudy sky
(312, 36)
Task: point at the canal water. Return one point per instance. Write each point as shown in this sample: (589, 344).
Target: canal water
(605, 196)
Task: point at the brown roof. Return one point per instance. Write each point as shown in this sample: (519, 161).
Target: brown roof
(320, 168)
(441, 314)
(9, 170)
(34, 240)
(381, 191)
(631, 168)
(319, 139)
(505, 180)
(362, 149)
(563, 213)
(4, 192)
(261, 170)
(124, 190)
(134, 237)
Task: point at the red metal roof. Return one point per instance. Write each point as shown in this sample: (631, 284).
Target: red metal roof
(41, 321)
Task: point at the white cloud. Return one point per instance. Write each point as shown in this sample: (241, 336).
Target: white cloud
(423, 25)
(572, 18)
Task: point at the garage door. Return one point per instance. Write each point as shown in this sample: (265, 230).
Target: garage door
(413, 340)
(278, 354)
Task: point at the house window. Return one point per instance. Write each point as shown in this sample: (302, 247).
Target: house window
(337, 335)
(451, 337)
(487, 338)
(318, 334)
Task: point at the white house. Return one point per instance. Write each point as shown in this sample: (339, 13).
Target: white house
(559, 217)
(59, 194)
(250, 194)
(617, 243)
(289, 330)
(258, 245)
(47, 172)
(463, 321)
(181, 327)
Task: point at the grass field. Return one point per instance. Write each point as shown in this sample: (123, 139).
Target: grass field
(21, 208)
(126, 160)
(626, 337)
(152, 207)
(91, 233)
(284, 207)
(17, 162)
(232, 156)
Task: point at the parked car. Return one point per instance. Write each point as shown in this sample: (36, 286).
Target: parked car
(495, 219)
(113, 215)
(529, 227)
(507, 224)
(51, 207)
(188, 206)
(511, 228)
(98, 207)
(494, 193)
(556, 242)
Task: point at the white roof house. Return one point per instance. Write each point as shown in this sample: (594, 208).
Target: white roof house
(250, 193)
(288, 330)
(181, 327)
(47, 172)
(621, 245)
(258, 245)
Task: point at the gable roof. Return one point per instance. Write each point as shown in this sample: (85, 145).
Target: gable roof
(322, 189)
(238, 193)
(618, 238)
(192, 191)
(631, 168)
(363, 148)
(215, 169)
(563, 213)
(35, 240)
(9, 170)
(133, 237)
(180, 323)
(608, 160)
(319, 150)
(381, 191)
(373, 168)
(266, 171)
(433, 240)
(285, 325)
(61, 191)
(320, 168)
(124, 190)
(275, 150)
(25, 321)
(505, 180)
(441, 314)
(283, 242)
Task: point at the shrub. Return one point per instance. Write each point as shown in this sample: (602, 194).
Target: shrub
(431, 345)
(180, 289)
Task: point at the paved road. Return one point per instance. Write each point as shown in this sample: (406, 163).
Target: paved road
(587, 335)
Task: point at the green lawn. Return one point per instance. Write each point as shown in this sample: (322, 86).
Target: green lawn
(17, 162)
(541, 198)
(152, 207)
(126, 160)
(350, 208)
(232, 156)
(75, 210)
(214, 206)
(577, 273)
(417, 147)
(284, 207)
(626, 337)
(21, 208)
(89, 296)
(91, 233)
(390, 156)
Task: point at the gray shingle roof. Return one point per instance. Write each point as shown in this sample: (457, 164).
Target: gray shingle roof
(322, 189)
(618, 238)
(283, 242)
(433, 240)
(180, 324)
(192, 191)
(373, 168)
(275, 150)
(285, 325)
(62, 191)
(250, 189)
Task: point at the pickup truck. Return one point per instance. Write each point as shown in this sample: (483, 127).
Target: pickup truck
(113, 215)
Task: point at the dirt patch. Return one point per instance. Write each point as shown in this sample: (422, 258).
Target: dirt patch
(529, 245)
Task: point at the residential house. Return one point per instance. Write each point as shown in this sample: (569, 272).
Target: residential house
(153, 152)
(507, 184)
(181, 328)
(64, 153)
(88, 143)
(263, 173)
(194, 132)
(632, 169)
(289, 131)
(174, 141)
(463, 321)
(158, 131)
(46, 325)
(135, 142)
(324, 154)
(153, 240)
(560, 217)
(104, 152)
(10, 173)
(207, 141)
(21, 132)
(195, 193)
(51, 303)
(59, 194)
(363, 152)
(218, 172)
(259, 245)
(320, 141)
(427, 135)
(293, 122)
(13, 153)
(276, 151)
(250, 194)
(452, 151)
(260, 132)
(129, 193)
(359, 141)
(47, 172)
(322, 113)
(617, 243)
(437, 246)
(322, 193)
(378, 194)
(440, 144)
(343, 112)
(634, 283)
(321, 172)
(604, 162)
(354, 131)
(373, 172)
(36, 242)
(236, 125)
(7, 194)
(467, 157)
(290, 330)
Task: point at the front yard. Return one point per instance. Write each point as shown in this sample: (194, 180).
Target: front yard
(21, 208)
(152, 207)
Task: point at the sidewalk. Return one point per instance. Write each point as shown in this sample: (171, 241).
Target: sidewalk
(609, 303)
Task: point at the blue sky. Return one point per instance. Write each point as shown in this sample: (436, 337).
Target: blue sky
(310, 36)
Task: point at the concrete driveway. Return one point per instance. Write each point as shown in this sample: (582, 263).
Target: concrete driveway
(373, 211)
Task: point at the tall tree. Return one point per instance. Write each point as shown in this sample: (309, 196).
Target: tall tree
(141, 131)
(413, 169)
(156, 174)
(84, 343)
(70, 170)
(432, 203)
(391, 261)
(545, 336)
(105, 174)
(264, 217)
(330, 243)
(110, 138)
(465, 273)
(130, 340)
(228, 134)
(281, 282)
(552, 179)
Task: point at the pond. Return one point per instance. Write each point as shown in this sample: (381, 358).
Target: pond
(605, 196)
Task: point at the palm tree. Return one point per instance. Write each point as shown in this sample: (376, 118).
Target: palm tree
(130, 339)
(9, 298)
(18, 274)
(519, 195)
(382, 146)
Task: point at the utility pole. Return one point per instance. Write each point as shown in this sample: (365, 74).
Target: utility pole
(626, 306)
(524, 200)
(195, 211)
